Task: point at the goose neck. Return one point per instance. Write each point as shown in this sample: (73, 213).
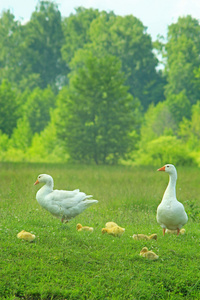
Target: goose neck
(171, 188)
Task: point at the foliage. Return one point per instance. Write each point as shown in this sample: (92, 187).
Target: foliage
(76, 31)
(22, 135)
(45, 39)
(34, 49)
(11, 45)
(45, 146)
(65, 264)
(179, 106)
(190, 129)
(37, 108)
(4, 141)
(183, 47)
(165, 149)
(98, 112)
(126, 38)
(106, 111)
(9, 110)
(158, 121)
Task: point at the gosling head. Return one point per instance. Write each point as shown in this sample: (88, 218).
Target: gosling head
(78, 226)
(104, 230)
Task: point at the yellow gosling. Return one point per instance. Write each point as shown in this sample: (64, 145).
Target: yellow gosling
(116, 231)
(79, 227)
(110, 224)
(141, 236)
(27, 236)
(182, 231)
(153, 236)
(148, 254)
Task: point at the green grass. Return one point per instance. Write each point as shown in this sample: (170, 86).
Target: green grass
(65, 264)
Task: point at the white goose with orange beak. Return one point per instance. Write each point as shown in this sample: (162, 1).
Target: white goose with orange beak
(60, 203)
(170, 212)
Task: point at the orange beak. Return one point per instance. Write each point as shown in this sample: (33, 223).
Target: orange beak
(161, 169)
(36, 182)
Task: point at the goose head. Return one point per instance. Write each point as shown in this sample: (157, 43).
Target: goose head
(44, 178)
(170, 169)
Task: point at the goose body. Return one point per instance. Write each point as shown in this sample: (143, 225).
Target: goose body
(170, 212)
(60, 203)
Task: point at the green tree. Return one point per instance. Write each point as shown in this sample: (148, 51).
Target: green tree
(189, 130)
(30, 54)
(10, 41)
(127, 39)
(45, 146)
(179, 105)
(9, 108)
(158, 121)
(76, 31)
(183, 48)
(22, 135)
(124, 37)
(37, 108)
(96, 113)
(43, 38)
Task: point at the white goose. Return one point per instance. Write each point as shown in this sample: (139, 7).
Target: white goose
(170, 212)
(62, 204)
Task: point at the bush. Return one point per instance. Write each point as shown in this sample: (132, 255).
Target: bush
(165, 149)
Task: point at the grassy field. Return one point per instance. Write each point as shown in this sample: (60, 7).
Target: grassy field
(65, 264)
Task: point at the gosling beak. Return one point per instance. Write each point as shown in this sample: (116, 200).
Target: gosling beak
(161, 169)
(36, 182)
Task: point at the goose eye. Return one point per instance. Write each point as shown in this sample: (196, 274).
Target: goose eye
(167, 166)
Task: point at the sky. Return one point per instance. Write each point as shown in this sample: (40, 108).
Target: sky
(156, 15)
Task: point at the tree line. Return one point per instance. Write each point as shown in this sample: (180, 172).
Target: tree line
(89, 88)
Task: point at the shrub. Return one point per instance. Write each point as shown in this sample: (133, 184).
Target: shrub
(165, 149)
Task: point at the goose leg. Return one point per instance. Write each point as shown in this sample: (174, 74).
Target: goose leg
(62, 220)
(178, 231)
(164, 231)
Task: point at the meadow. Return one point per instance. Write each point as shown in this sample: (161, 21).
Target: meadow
(62, 263)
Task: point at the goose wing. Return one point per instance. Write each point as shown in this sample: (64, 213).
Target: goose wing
(66, 199)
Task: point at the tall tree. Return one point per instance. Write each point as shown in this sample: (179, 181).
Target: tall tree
(123, 37)
(10, 40)
(9, 108)
(96, 113)
(179, 106)
(183, 48)
(190, 129)
(76, 31)
(22, 135)
(127, 39)
(31, 53)
(37, 108)
(158, 120)
(44, 39)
